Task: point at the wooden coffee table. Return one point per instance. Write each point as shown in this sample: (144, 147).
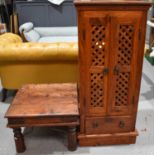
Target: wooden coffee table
(44, 105)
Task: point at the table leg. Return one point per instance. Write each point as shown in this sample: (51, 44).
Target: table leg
(72, 139)
(4, 94)
(19, 140)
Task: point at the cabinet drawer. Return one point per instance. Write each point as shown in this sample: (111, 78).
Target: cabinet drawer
(109, 124)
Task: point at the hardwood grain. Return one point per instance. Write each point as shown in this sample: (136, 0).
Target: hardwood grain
(107, 139)
(111, 48)
(44, 100)
(44, 105)
(110, 2)
(19, 140)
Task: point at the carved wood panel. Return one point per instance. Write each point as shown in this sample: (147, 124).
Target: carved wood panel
(110, 46)
(96, 90)
(123, 62)
(125, 44)
(121, 91)
(121, 83)
(97, 43)
(124, 54)
(97, 62)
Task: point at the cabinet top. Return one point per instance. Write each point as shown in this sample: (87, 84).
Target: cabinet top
(113, 2)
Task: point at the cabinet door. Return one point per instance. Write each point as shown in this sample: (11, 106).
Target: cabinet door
(124, 47)
(96, 60)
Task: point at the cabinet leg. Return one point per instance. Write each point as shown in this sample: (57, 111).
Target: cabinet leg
(72, 139)
(19, 140)
(4, 94)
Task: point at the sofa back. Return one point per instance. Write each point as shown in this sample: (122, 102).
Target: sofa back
(56, 31)
(45, 14)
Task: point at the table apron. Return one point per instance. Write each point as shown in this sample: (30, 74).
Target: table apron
(43, 121)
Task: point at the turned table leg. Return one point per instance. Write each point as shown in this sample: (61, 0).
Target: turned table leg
(19, 140)
(72, 139)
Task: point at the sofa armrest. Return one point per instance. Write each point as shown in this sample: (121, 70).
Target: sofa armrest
(28, 33)
(10, 38)
(26, 27)
(39, 52)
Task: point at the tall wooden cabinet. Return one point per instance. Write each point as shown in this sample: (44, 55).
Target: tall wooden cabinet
(111, 47)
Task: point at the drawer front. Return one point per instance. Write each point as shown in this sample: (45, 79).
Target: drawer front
(109, 124)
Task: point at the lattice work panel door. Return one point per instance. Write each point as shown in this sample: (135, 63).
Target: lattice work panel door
(121, 93)
(97, 59)
(123, 57)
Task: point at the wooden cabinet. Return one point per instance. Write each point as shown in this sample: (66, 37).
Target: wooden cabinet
(111, 47)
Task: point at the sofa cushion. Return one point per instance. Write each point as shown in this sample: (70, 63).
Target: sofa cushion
(56, 31)
(32, 36)
(53, 39)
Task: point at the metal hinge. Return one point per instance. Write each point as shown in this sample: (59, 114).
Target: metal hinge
(139, 35)
(83, 34)
(78, 94)
(133, 99)
(84, 102)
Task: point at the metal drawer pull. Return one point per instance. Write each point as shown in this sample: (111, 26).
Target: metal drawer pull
(121, 124)
(95, 125)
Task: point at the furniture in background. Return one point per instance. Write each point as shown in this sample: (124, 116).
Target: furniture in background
(45, 14)
(14, 22)
(48, 34)
(4, 13)
(111, 46)
(44, 105)
(3, 28)
(149, 51)
(24, 63)
(5, 39)
(42, 14)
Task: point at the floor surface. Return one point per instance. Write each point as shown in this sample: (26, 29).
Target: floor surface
(52, 141)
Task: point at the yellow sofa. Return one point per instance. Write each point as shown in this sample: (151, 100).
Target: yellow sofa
(23, 63)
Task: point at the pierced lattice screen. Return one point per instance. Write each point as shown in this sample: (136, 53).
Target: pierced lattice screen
(121, 92)
(125, 42)
(97, 59)
(98, 45)
(96, 90)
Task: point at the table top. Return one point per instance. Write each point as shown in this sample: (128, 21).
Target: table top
(44, 100)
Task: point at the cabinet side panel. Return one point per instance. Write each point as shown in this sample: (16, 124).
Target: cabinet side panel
(139, 62)
(82, 70)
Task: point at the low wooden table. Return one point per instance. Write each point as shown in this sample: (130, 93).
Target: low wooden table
(44, 105)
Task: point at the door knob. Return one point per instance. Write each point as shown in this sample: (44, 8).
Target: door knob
(116, 70)
(105, 71)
